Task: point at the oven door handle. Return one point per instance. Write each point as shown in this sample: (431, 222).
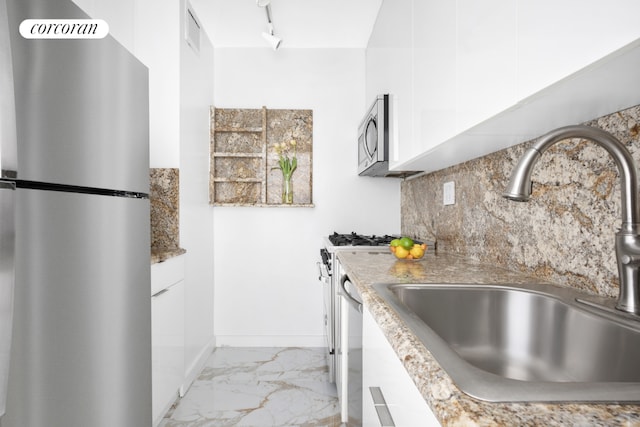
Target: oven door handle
(323, 273)
(354, 302)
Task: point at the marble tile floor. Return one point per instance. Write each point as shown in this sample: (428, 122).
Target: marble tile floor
(259, 387)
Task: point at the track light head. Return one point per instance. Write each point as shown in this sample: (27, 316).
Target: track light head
(273, 41)
(268, 35)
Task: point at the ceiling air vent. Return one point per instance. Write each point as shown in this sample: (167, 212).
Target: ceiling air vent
(192, 29)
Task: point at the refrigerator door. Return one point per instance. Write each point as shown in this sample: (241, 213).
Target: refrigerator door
(81, 106)
(8, 148)
(7, 249)
(81, 351)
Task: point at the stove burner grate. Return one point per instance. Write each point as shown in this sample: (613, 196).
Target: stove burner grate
(354, 239)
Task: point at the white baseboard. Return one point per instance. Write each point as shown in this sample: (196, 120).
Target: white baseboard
(192, 372)
(270, 341)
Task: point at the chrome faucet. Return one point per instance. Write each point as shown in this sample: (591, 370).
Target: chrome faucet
(627, 238)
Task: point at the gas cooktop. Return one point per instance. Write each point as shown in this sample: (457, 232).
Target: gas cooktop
(355, 239)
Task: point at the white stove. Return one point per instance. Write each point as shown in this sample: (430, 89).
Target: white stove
(336, 311)
(328, 275)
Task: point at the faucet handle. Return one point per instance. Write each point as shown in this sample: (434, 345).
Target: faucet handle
(629, 259)
(628, 246)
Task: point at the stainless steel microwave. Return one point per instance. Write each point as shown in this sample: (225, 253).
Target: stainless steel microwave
(373, 139)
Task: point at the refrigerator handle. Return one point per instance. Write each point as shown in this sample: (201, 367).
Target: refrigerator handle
(7, 282)
(8, 133)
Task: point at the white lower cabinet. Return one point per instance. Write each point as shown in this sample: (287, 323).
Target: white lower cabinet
(167, 326)
(384, 373)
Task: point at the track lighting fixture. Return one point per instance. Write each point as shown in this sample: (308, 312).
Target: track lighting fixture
(273, 40)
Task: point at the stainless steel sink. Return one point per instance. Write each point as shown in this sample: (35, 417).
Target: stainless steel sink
(513, 343)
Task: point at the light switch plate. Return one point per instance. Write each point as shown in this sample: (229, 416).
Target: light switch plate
(449, 193)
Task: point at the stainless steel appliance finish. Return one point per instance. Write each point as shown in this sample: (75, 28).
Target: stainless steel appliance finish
(7, 205)
(627, 239)
(350, 353)
(523, 343)
(7, 280)
(83, 91)
(75, 137)
(80, 347)
(373, 139)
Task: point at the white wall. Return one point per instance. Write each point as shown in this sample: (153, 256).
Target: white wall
(266, 288)
(196, 216)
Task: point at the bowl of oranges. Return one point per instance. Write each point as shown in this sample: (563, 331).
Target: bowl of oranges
(406, 248)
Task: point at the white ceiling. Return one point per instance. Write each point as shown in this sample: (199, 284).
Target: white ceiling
(299, 23)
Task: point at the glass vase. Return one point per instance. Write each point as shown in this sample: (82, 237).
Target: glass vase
(287, 190)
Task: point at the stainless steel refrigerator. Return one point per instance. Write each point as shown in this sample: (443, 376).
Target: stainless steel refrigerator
(75, 166)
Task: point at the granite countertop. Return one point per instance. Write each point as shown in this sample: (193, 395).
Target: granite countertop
(162, 254)
(451, 406)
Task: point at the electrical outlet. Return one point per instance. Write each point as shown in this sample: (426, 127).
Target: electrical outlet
(449, 193)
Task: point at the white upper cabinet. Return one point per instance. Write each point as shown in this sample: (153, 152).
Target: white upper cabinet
(558, 38)
(475, 77)
(486, 53)
(389, 53)
(434, 85)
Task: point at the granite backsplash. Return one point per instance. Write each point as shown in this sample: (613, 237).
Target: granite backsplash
(164, 195)
(565, 234)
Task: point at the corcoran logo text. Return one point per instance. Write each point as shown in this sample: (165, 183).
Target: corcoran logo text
(64, 28)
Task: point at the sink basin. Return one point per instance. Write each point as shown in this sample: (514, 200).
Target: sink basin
(510, 343)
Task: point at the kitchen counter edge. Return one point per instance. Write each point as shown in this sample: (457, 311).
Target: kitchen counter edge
(451, 406)
(161, 255)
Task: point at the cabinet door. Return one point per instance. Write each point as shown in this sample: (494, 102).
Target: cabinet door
(167, 313)
(483, 76)
(389, 70)
(486, 59)
(165, 274)
(558, 38)
(382, 369)
(434, 64)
